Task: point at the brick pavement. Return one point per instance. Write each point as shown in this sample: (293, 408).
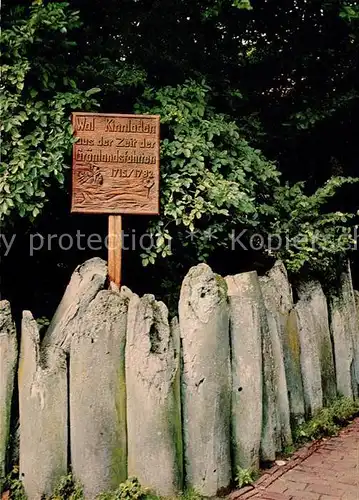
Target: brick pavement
(324, 470)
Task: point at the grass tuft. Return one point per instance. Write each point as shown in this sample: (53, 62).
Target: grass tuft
(327, 421)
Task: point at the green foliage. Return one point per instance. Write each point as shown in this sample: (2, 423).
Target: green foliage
(37, 95)
(313, 115)
(288, 450)
(252, 77)
(214, 182)
(14, 485)
(190, 494)
(328, 421)
(212, 179)
(109, 75)
(242, 4)
(350, 11)
(312, 236)
(68, 489)
(42, 323)
(129, 490)
(246, 477)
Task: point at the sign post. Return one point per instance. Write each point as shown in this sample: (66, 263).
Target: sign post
(115, 171)
(115, 248)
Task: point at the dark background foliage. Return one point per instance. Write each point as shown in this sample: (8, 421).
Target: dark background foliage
(285, 73)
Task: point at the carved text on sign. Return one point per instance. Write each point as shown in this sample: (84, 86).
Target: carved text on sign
(115, 164)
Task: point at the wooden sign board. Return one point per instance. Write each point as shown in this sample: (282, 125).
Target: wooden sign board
(115, 163)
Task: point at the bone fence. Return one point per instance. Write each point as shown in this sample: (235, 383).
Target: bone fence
(115, 388)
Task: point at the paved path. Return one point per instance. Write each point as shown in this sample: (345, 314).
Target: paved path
(326, 470)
